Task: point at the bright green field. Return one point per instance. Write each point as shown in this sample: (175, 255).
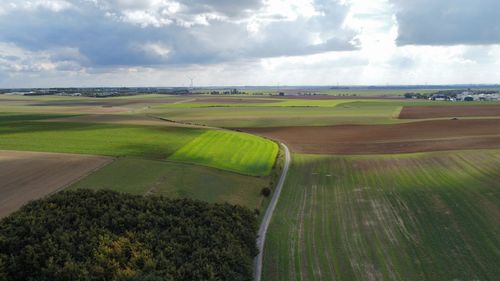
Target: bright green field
(238, 152)
(432, 216)
(177, 180)
(100, 139)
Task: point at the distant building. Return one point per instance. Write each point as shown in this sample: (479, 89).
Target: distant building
(470, 96)
(440, 98)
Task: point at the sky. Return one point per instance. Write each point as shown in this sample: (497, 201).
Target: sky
(65, 43)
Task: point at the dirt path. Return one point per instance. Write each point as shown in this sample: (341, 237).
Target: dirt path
(261, 238)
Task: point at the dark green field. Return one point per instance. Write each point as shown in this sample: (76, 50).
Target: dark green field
(177, 180)
(431, 216)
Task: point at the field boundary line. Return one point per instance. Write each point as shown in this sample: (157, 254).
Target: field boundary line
(104, 164)
(261, 235)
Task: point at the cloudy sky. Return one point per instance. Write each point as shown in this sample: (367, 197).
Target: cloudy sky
(45, 43)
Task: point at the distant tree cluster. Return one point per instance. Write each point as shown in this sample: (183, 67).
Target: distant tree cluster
(104, 235)
(416, 96)
(227, 92)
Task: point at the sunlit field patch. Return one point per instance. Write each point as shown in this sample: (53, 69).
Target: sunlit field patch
(238, 152)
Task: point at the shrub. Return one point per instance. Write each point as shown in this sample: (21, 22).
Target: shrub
(266, 191)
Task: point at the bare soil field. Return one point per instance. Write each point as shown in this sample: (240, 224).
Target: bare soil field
(26, 176)
(436, 135)
(422, 112)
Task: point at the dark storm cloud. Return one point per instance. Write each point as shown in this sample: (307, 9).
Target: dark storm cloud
(448, 22)
(145, 33)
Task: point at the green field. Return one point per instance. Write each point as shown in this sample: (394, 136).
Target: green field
(99, 139)
(348, 92)
(177, 180)
(7, 117)
(302, 113)
(429, 216)
(272, 103)
(233, 151)
(238, 152)
(239, 117)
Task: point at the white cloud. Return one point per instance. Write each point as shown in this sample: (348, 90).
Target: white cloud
(243, 42)
(157, 49)
(52, 5)
(17, 60)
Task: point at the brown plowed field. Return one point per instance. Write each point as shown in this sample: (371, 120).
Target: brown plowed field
(25, 176)
(423, 112)
(422, 136)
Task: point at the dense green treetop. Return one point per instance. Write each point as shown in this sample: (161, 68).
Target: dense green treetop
(104, 235)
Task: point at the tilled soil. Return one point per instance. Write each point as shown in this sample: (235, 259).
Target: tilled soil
(26, 176)
(436, 135)
(422, 112)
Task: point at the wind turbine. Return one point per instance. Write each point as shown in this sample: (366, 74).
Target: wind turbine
(191, 79)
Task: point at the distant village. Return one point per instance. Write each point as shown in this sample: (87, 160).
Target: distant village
(457, 95)
(102, 92)
(95, 92)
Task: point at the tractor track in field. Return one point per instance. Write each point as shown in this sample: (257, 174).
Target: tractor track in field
(261, 238)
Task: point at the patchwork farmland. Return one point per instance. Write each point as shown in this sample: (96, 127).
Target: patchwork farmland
(149, 154)
(378, 189)
(264, 140)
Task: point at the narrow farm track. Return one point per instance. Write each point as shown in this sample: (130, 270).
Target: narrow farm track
(261, 238)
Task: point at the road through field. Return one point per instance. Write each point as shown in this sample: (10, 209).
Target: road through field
(261, 238)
